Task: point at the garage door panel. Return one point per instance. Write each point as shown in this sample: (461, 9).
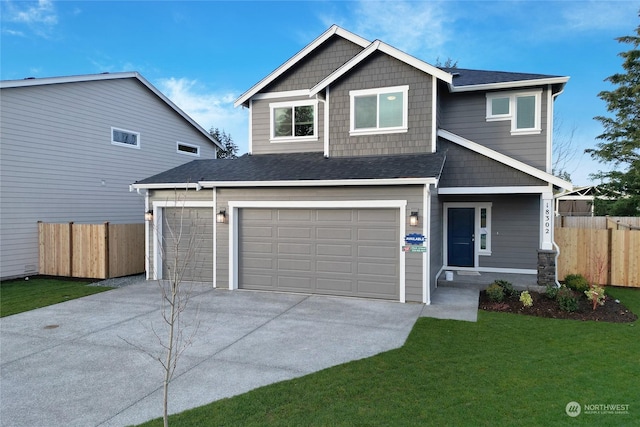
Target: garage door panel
(334, 267)
(263, 231)
(349, 252)
(294, 248)
(256, 248)
(331, 233)
(295, 215)
(257, 214)
(334, 250)
(294, 265)
(384, 252)
(294, 232)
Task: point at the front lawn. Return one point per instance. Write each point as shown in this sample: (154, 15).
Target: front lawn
(21, 295)
(506, 369)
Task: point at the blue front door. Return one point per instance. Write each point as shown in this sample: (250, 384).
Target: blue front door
(460, 237)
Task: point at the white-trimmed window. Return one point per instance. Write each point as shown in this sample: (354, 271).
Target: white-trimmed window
(294, 121)
(382, 110)
(125, 138)
(484, 229)
(188, 149)
(523, 109)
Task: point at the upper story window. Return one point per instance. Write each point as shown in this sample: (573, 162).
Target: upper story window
(188, 149)
(381, 110)
(125, 138)
(293, 121)
(523, 109)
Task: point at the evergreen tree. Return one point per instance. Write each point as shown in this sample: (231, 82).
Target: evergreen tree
(230, 150)
(620, 141)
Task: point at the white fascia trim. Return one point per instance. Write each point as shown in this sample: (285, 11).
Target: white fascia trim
(320, 183)
(183, 203)
(334, 29)
(234, 205)
(283, 94)
(588, 198)
(168, 186)
(494, 190)
(509, 85)
(326, 104)
(434, 115)
(509, 161)
(377, 45)
(426, 256)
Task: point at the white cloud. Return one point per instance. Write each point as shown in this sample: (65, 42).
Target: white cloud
(208, 109)
(40, 16)
(411, 26)
(600, 15)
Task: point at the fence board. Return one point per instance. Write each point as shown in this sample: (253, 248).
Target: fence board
(98, 251)
(599, 222)
(607, 256)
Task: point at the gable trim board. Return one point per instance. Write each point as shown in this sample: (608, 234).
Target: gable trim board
(334, 29)
(509, 85)
(108, 76)
(509, 161)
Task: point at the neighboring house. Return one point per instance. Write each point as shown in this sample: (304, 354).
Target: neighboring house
(576, 202)
(70, 148)
(354, 145)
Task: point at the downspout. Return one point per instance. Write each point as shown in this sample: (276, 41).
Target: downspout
(553, 229)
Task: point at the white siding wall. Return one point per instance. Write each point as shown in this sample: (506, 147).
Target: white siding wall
(58, 164)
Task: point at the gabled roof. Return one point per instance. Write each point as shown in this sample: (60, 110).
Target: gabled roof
(301, 169)
(28, 82)
(333, 30)
(378, 46)
(504, 159)
(465, 80)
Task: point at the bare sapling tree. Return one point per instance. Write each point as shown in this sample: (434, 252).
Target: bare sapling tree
(564, 150)
(177, 234)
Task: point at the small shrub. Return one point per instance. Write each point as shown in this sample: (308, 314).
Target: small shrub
(577, 282)
(595, 295)
(495, 293)
(507, 287)
(567, 299)
(526, 299)
(551, 292)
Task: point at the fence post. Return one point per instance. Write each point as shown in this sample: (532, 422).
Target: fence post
(106, 250)
(609, 254)
(71, 249)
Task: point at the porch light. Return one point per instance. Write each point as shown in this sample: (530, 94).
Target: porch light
(221, 216)
(148, 215)
(413, 219)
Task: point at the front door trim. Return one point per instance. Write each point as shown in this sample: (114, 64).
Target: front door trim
(477, 252)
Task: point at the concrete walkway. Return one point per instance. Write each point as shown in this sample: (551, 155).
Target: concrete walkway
(453, 303)
(79, 364)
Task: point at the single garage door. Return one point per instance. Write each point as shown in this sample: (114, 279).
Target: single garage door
(348, 252)
(187, 239)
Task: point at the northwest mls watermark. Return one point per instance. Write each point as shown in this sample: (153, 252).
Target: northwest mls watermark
(574, 409)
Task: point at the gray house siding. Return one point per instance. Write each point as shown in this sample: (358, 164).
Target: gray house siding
(379, 71)
(58, 163)
(464, 114)
(413, 195)
(465, 168)
(316, 66)
(261, 128)
(515, 229)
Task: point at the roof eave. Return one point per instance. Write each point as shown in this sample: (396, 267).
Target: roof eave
(509, 85)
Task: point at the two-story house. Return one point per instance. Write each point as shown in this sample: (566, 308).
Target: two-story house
(71, 146)
(369, 173)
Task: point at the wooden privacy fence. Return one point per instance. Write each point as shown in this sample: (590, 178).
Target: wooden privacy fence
(97, 251)
(600, 222)
(609, 256)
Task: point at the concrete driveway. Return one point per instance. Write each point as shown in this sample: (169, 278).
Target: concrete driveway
(81, 363)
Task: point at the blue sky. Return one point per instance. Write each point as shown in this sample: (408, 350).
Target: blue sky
(204, 54)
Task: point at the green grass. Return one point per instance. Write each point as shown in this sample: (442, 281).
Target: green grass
(17, 296)
(505, 369)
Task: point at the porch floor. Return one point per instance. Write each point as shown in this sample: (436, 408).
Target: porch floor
(482, 280)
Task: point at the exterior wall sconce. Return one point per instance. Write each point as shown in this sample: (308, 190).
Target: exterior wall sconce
(221, 217)
(148, 215)
(413, 219)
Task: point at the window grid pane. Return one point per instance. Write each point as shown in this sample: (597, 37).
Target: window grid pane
(365, 111)
(304, 121)
(282, 122)
(526, 110)
(390, 110)
(499, 106)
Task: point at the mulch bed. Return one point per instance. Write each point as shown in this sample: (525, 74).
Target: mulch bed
(611, 311)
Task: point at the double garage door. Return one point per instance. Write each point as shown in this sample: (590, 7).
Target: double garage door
(347, 252)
